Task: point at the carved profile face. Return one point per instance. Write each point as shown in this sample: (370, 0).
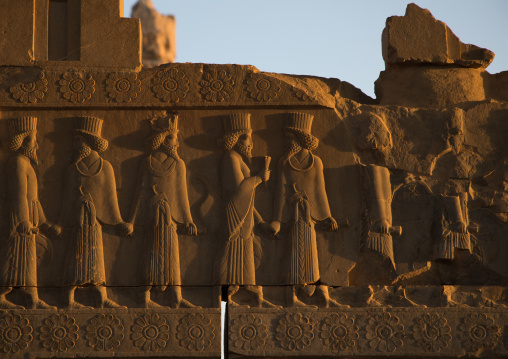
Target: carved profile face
(29, 147)
(244, 146)
(291, 144)
(172, 140)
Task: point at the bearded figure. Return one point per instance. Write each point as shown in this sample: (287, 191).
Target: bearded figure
(300, 202)
(160, 204)
(18, 267)
(89, 200)
(235, 258)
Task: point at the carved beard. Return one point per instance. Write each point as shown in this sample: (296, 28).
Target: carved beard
(244, 151)
(30, 153)
(171, 151)
(82, 152)
(292, 149)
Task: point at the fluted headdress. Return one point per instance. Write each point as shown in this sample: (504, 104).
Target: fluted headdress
(22, 124)
(301, 124)
(235, 125)
(168, 124)
(92, 128)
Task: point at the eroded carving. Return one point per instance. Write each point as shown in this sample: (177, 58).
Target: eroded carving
(76, 86)
(431, 332)
(160, 204)
(18, 267)
(384, 332)
(248, 332)
(31, 92)
(150, 332)
(262, 88)
(235, 260)
(15, 333)
(294, 331)
(339, 332)
(170, 85)
(89, 200)
(123, 86)
(104, 332)
(195, 332)
(216, 86)
(300, 202)
(478, 331)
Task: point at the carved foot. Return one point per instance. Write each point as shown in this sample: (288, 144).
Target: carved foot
(150, 304)
(297, 303)
(5, 304)
(263, 303)
(185, 304)
(234, 304)
(43, 305)
(76, 305)
(331, 303)
(108, 303)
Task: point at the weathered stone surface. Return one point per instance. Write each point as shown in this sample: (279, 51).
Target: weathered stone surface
(333, 224)
(159, 34)
(442, 86)
(418, 38)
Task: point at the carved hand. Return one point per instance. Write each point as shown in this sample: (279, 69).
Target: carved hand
(191, 229)
(55, 230)
(264, 175)
(125, 229)
(382, 226)
(332, 225)
(24, 227)
(460, 226)
(274, 228)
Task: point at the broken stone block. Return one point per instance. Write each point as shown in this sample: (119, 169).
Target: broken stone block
(159, 34)
(418, 38)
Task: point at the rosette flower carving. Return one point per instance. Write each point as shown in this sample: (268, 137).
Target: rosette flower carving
(247, 332)
(150, 332)
(340, 332)
(478, 331)
(384, 332)
(77, 87)
(216, 86)
(15, 333)
(123, 86)
(104, 332)
(262, 88)
(431, 332)
(195, 332)
(30, 92)
(59, 332)
(294, 331)
(170, 85)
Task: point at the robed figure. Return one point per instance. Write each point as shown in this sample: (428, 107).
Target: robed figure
(18, 262)
(235, 261)
(89, 201)
(300, 202)
(160, 204)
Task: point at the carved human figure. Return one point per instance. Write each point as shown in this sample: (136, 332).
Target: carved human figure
(160, 203)
(89, 200)
(452, 223)
(18, 267)
(377, 226)
(235, 258)
(301, 201)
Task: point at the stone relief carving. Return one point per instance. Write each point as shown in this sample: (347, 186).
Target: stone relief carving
(89, 200)
(170, 85)
(216, 86)
(123, 86)
(262, 88)
(76, 86)
(160, 204)
(18, 267)
(300, 202)
(31, 92)
(235, 260)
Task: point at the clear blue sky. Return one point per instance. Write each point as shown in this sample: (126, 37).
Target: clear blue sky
(327, 38)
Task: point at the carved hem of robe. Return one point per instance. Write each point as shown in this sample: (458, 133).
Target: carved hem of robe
(160, 261)
(451, 241)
